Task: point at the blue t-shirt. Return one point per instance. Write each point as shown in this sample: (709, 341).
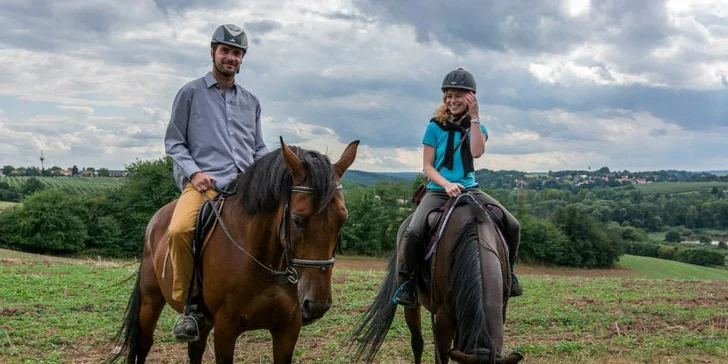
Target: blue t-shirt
(437, 138)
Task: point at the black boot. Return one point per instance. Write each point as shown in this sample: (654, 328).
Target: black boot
(516, 289)
(189, 326)
(406, 294)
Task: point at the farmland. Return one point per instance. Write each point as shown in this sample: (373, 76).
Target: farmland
(69, 184)
(65, 310)
(679, 187)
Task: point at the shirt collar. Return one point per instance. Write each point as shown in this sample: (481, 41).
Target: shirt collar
(211, 81)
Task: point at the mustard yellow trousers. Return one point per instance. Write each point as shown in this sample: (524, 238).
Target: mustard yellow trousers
(180, 239)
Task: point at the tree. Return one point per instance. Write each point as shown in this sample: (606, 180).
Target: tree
(588, 238)
(673, 236)
(103, 172)
(74, 170)
(7, 170)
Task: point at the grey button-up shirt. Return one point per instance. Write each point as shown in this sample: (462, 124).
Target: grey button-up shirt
(213, 133)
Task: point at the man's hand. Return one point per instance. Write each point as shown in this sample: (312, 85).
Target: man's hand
(201, 182)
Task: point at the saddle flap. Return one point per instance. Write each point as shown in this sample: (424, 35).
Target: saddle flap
(206, 219)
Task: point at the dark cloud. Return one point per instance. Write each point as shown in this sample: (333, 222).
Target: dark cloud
(259, 27)
(526, 26)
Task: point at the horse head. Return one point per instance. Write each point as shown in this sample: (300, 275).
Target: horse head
(316, 213)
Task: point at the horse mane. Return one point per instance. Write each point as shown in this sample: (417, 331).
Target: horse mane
(262, 186)
(466, 289)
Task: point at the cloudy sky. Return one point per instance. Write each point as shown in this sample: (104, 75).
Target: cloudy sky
(638, 85)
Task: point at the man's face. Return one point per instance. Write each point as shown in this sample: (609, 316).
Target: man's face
(227, 59)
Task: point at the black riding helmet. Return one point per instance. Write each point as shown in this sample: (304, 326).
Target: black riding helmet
(460, 79)
(231, 35)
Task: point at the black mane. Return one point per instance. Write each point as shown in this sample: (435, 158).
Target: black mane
(262, 186)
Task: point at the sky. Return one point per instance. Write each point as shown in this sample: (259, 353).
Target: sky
(571, 84)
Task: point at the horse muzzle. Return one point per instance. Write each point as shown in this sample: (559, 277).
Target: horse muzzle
(311, 310)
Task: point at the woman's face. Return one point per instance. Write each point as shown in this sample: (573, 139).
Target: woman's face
(456, 101)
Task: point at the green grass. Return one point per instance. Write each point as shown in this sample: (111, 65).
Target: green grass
(679, 187)
(5, 204)
(64, 310)
(70, 184)
(647, 267)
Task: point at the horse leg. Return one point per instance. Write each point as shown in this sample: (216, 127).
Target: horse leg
(195, 350)
(414, 322)
(152, 303)
(284, 342)
(226, 332)
(444, 333)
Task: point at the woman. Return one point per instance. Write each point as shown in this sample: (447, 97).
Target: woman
(458, 113)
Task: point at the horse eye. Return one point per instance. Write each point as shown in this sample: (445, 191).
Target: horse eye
(298, 221)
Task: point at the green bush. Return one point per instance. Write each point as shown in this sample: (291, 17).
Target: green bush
(643, 249)
(588, 238)
(544, 243)
(673, 236)
(704, 257)
(48, 221)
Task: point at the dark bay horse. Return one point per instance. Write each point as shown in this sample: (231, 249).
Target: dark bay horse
(268, 269)
(465, 288)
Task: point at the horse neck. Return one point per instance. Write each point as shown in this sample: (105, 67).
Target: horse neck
(259, 235)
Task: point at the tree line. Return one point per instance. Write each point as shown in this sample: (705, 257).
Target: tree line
(588, 228)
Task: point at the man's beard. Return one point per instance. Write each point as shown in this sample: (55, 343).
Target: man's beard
(225, 72)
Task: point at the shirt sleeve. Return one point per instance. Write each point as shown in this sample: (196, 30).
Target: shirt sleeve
(430, 137)
(260, 148)
(175, 139)
(483, 129)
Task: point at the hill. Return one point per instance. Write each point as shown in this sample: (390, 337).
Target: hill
(369, 178)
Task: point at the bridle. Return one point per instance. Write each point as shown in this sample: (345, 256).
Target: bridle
(289, 274)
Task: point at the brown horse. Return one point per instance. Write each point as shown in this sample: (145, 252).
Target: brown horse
(466, 290)
(265, 266)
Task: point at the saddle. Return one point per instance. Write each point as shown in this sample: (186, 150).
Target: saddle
(437, 219)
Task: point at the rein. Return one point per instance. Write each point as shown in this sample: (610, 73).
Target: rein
(289, 274)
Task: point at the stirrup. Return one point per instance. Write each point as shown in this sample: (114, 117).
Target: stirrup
(197, 328)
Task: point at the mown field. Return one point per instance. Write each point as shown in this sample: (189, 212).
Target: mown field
(5, 204)
(64, 310)
(71, 184)
(679, 187)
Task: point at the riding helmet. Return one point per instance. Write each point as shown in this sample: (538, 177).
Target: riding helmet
(460, 79)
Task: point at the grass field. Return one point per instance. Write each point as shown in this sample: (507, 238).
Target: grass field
(71, 184)
(679, 187)
(65, 310)
(4, 204)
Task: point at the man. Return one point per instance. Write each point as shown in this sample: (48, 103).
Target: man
(214, 133)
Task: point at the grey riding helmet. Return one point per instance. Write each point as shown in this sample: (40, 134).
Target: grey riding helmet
(231, 35)
(460, 79)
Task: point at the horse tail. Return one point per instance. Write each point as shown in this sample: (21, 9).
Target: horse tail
(370, 332)
(129, 330)
(466, 288)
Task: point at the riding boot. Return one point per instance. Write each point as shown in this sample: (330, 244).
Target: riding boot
(406, 294)
(516, 289)
(190, 324)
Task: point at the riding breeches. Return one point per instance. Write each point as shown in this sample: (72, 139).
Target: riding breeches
(180, 237)
(410, 250)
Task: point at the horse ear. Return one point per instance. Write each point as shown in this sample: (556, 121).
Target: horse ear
(295, 166)
(347, 158)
